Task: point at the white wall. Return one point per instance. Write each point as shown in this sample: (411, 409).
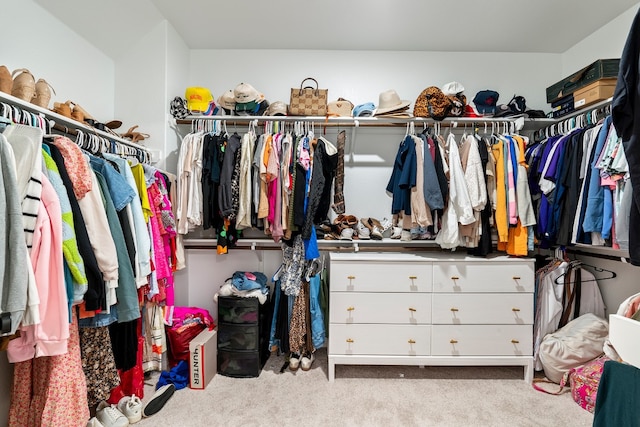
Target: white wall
(35, 40)
(360, 76)
(605, 43)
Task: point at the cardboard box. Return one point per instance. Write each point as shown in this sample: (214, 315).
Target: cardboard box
(203, 358)
(596, 91)
(601, 69)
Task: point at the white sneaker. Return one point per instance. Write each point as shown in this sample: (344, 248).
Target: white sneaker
(306, 361)
(294, 361)
(111, 417)
(405, 236)
(387, 227)
(363, 232)
(131, 407)
(397, 232)
(93, 422)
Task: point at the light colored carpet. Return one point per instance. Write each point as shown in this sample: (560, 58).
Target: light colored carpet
(369, 396)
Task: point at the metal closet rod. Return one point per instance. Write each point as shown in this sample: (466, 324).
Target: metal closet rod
(353, 121)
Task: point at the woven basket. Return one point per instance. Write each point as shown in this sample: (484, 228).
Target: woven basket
(6, 81)
(24, 85)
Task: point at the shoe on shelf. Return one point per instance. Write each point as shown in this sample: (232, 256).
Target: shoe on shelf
(158, 400)
(111, 417)
(363, 231)
(294, 361)
(396, 233)
(307, 361)
(376, 229)
(93, 422)
(346, 234)
(131, 407)
(387, 227)
(405, 236)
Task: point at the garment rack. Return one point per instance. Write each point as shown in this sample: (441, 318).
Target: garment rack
(64, 125)
(578, 118)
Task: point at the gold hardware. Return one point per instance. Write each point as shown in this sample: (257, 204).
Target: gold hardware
(412, 342)
(412, 309)
(515, 342)
(515, 309)
(349, 340)
(454, 309)
(454, 277)
(516, 277)
(350, 308)
(454, 341)
(351, 277)
(413, 277)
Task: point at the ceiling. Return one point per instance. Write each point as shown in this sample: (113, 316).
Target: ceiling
(551, 26)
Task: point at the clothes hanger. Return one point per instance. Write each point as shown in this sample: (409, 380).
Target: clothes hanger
(580, 264)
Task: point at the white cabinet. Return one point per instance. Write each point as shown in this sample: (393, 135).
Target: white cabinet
(430, 309)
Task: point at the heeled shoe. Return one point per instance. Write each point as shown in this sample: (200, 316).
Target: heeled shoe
(43, 93)
(6, 81)
(24, 84)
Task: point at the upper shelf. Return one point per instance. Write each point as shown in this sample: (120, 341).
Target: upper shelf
(65, 122)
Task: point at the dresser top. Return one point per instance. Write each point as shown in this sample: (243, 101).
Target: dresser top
(422, 257)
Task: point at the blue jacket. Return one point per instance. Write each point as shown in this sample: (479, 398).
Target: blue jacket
(403, 177)
(595, 199)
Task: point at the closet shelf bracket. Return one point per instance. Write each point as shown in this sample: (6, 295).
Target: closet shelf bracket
(352, 143)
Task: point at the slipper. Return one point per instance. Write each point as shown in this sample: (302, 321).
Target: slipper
(113, 124)
(133, 135)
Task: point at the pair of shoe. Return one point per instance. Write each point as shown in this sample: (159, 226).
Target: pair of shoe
(304, 362)
(374, 226)
(158, 400)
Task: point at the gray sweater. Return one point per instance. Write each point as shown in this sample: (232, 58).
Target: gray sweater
(13, 249)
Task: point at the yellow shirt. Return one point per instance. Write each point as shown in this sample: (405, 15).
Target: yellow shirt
(138, 175)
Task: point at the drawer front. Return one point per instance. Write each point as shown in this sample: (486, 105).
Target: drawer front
(390, 340)
(363, 307)
(497, 309)
(483, 277)
(381, 277)
(482, 340)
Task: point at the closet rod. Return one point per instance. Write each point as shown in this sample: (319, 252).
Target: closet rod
(353, 121)
(65, 122)
(611, 257)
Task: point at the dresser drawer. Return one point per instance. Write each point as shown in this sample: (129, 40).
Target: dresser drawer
(483, 277)
(461, 309)
(482, 340)
(363, 307)
(381, 277)
(390, 340)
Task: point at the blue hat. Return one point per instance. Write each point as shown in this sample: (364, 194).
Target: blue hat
(364, 110)
(486, 101)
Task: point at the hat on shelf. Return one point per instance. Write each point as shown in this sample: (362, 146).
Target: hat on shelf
(244, 93)
(432, 102)
(389, 101)
(364, 110)
(517, 105)
(178, 108)
(339, 108)
(227, 101)
(198, 99)
(452, 88)
(277, 108)
(252, 108)
(486, 101)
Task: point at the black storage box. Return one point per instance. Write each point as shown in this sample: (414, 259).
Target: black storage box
(562, 106)
(244, 326)
(602, 68)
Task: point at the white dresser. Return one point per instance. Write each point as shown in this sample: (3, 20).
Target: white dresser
(430, 309)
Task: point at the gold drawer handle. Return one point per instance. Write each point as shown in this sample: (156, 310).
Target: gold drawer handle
(454, 277)
(349, 340)
(350, 308)
(516, 277)
(412, 342)
(413, 277)
(454, 309)
(454, 341)
(515, 342)
(412, 309)
(515, 309)
(351, 277)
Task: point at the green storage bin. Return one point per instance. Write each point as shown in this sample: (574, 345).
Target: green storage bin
(602, 68)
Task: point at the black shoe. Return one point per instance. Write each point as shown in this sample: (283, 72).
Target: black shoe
(157, 402)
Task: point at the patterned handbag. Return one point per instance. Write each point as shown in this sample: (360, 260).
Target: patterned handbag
(308, 101)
